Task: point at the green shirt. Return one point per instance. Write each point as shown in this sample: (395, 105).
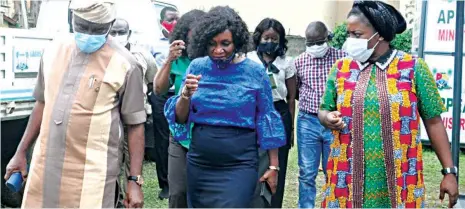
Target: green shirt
(178, 71)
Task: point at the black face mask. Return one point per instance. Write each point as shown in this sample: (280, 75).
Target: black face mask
(224, 63)
(270, 48)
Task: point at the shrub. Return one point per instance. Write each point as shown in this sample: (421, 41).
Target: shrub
(340, 36)
(402, 41)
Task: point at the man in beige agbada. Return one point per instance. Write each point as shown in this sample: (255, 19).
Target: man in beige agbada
(88, 86)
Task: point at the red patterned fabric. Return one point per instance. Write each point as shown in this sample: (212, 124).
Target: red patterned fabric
(403, 151)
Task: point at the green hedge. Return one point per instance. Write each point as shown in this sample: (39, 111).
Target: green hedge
(402, 41)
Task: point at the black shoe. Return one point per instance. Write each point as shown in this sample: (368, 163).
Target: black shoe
(164, 194)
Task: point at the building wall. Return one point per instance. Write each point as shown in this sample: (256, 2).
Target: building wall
(296, 45)
(295, 15)
(7, 7)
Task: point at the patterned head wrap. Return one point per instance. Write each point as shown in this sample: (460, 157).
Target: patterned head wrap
(386, 20)
(96, 11)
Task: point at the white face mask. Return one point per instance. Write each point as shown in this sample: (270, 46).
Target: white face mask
(122, 39)
(357, 48)
(318, 51)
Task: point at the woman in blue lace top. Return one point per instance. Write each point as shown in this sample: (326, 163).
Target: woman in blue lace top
(226, 109)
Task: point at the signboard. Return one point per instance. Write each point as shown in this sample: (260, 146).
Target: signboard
(442, 68)
(27, 53)
(440, 26)
(440, 38)
(26, 59)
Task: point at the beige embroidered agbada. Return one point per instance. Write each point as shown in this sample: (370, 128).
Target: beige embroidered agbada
(88, 97)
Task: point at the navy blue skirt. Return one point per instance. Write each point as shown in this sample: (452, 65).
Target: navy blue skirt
(222, 167)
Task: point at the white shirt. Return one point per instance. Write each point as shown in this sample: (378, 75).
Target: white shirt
(286, 71)
(161, 52)
(149, 68)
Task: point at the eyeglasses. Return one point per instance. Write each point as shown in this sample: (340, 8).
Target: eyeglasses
(82, 26)
(119, 33)
(313, 43)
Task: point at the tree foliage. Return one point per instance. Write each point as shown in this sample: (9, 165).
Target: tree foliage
(340, 36)
(402, 41)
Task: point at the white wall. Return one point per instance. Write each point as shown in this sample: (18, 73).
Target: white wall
(295, 15)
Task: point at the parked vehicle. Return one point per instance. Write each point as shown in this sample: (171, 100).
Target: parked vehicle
(21, 50)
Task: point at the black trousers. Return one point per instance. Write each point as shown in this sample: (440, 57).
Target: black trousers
(277, 199)
(161, 134)
(283, 109)
(177, 176)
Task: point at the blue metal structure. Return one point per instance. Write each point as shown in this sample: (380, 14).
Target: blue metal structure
(458, 64)
(457, 83)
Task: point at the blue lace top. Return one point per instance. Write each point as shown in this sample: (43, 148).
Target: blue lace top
(238, 96)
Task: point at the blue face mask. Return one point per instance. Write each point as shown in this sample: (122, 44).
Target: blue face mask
(223, 63)
(89, 43)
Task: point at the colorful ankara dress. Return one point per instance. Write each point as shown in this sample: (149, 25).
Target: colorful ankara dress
(376, 161)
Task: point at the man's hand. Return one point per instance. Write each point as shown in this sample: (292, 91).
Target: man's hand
(134, 196)
(334, 121)
(449, 186)
(176, 50)
(271, 178)
(17, 164)
(191, 85)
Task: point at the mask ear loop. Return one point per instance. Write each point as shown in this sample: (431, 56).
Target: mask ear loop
(375, 45)
(109, 29)
(376, 42)
(73, 24)
(373, 36)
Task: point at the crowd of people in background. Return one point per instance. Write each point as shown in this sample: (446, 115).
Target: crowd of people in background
(222, 103)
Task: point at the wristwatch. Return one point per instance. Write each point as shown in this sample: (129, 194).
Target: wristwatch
(138, 179)
(452, 170)
(276, 168)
